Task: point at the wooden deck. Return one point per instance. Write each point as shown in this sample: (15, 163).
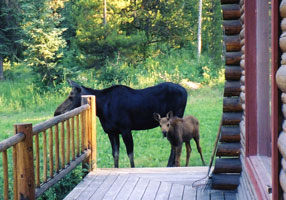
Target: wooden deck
(147, 184)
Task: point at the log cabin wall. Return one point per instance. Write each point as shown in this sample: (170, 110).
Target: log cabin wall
(245, 189)
(281, 82)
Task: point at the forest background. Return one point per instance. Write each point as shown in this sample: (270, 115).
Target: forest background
(116, 41)
(99, 43)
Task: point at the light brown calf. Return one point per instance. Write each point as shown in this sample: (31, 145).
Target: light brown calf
(179, 130)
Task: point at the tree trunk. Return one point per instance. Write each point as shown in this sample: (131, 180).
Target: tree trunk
(104, 13)
(199, 28)
(1, 68)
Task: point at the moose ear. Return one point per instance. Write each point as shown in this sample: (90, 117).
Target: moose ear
(157, 117)
(74, 85)
(170, 115)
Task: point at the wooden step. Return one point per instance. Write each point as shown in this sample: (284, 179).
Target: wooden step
(233, 73)
(230, 11)
(230, 134)
(232, 88)
(229, 1)
(231, 118)
(228, 149)
(227, 165)
(232, 104)
(233, 58)
(232, 27)
(225, 181)
(232, 42)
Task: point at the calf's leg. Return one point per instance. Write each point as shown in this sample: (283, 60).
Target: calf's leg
(197, 140)
(178, 155)
(128, 141)
(114, 141)
(171, 161)
(188, 150)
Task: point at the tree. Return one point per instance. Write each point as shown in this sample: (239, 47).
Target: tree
(44, 43)
(10, 33)
(199, 28)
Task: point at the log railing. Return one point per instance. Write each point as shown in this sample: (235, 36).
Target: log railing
(43, 154)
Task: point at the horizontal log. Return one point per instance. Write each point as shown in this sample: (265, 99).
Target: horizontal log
(230, 134)
(55, 120)
(283, 164)
(227, 165)
(242, 18)
(230, 11)
(282, 144)
(232, 27)
(232, 104)
(232, 88)
(242, 9)
(232, 73)
(241, 34)
(232, 58)
(232, 43)
(62, 173)
(231, 118)
(229, 1)
(225, 181)
(282, 178)
(11, 141)
(228, 149)
(242, 41)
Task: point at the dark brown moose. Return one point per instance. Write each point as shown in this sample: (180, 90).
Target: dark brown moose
(179, 130)
(122, 109)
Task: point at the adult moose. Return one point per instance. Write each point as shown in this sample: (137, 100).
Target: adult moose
(122, 109)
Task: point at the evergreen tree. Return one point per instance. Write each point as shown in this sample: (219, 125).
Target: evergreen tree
(10, 33)
(43, 40)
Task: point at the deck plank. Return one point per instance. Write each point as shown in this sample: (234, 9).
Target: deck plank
(148, 183)
(151, 190)
(164, 191)
(116, 187)
(93, 186)
(176, 192)
(74, 194)
(127, 189)
(104, 187)
(139, 189)
(189, 193)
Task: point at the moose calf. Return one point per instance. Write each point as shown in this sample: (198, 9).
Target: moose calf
(179, 130)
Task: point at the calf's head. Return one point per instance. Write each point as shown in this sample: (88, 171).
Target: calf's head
(72, 101)
(165, 122)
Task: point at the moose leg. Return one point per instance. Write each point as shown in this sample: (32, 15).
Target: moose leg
(197, 140)
(114, 141)
(128, 141)
(171, 161)
(189, 150)
(178, 155)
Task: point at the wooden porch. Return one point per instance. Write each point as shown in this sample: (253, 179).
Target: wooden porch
(147, 184)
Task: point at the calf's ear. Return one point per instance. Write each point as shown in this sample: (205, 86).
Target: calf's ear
(170, 115)
(157, 117)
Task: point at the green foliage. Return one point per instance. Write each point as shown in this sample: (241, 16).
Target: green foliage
(44, 43)
(176, 65)
(10, 32)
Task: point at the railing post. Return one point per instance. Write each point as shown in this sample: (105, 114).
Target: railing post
(25, 163)
(90, 129)
(93, 131)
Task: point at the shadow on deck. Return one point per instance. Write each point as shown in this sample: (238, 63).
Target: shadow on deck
(147, 184)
